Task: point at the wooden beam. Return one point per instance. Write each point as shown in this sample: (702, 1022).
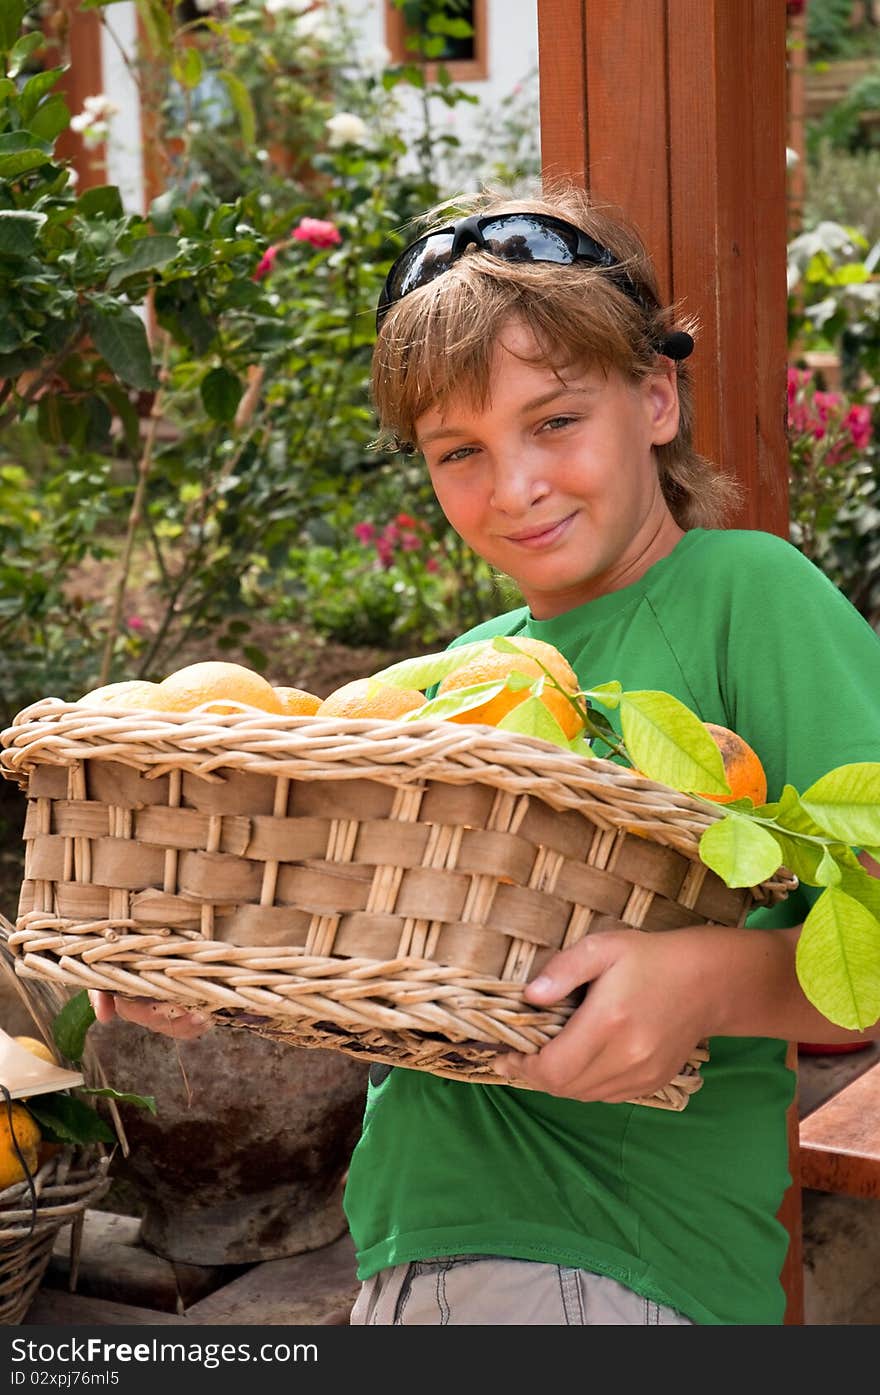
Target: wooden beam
(83, 78)
(675, 111)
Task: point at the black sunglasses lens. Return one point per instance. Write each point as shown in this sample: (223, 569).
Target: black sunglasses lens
(419, 264)
(523, 237)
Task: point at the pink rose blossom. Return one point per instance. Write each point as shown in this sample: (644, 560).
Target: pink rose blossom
(364, 532)
(410, 542)
(432, 565)
(317, 232)
(385, 552)
(858, 423)
(266, 263)
(406, 520)
(134, 622)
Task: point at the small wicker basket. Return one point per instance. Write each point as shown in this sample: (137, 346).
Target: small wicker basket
(380, 888)
(64, 1188)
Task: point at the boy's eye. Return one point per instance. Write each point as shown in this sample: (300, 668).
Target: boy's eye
(460, 453)
(556, 423)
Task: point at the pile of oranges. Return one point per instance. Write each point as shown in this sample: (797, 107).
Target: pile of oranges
(215, 686)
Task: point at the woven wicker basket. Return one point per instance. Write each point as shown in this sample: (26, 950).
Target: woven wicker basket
(64, 1188)
(378, 888)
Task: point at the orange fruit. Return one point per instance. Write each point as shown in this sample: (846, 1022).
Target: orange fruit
(491, 665)
(134, 692)
(742, 767)
(353, 700)
(217, 686)
(37, 1048)
(16, 1122)
(296, 702)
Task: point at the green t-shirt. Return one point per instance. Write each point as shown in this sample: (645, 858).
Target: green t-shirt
(679, 1206)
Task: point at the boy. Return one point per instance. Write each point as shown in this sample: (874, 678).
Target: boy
(524, 351)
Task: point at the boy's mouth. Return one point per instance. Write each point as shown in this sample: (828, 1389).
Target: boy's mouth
(540, 537)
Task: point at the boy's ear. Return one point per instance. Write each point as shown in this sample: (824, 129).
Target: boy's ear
(661, 390)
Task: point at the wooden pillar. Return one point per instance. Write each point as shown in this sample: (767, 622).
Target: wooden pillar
(83, 78)
(675, 111)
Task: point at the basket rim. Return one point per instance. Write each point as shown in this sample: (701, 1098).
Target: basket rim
(55, 732)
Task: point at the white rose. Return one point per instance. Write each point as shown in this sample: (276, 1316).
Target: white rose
(297, 7)
(345, 128)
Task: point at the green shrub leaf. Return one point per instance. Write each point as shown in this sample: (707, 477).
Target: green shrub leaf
(221, 393)
(838, 960)
(846, 803)
(121, 339)
(667, 742)
(740, 851)
(427, 669)
(147, 254)
(459, 700)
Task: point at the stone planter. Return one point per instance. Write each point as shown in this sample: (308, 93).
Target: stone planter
(246, 1157)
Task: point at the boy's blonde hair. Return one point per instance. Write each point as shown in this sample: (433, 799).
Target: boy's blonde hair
(437, 342)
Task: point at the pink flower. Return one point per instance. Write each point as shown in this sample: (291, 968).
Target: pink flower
(364, 532)
(406, 520)
(410, 542)
(134, 622)
(386, 553)
(858, 423)
(266, 263)
(391, 534)
(432, 565)
(317, 232)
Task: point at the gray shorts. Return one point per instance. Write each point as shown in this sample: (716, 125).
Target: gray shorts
(482, 1290)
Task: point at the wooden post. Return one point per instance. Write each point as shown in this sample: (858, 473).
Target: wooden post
(675, 112)
(83, 78)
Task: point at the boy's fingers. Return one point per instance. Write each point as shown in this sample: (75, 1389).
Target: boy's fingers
(573, 967)
(163, 1018)
(103, 1004)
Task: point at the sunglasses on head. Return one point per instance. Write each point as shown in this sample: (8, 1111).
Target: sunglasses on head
(514, 237)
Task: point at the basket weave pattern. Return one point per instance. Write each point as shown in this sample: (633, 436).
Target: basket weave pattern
(378, 888)
(65, 1186)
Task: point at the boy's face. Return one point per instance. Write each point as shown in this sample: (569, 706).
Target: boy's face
(554, 482)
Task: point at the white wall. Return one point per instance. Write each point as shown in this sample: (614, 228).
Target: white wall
(124, 151)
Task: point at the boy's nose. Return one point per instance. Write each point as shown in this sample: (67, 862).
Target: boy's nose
(516, 488)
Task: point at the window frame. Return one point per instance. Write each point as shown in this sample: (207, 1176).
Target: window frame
(474, 69)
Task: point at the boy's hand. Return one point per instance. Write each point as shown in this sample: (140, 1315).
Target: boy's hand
(641, 1018)
(165, 1018)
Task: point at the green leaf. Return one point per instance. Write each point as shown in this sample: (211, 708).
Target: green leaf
(740, 851)
(838, 960)
(580, 744)
(65, 1119)
(846, 803)
(121, 339)
(828, 872)
(531, 718)
(51, 118)
(104, 201)
(457, 701)
(23, 49)
(187, 68)
(71, 1024)
(609, 694)
(147, 254)
(11, 16)
(244, 107)
(34, 90)
(16, 162)
(147, 1102)
(19, 230)
(427, 669)
(221, 393)
(667, 742)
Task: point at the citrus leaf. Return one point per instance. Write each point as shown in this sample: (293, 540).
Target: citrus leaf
(609, 694)
(70, 1025)
(667, 742)
(828, 873)
(460, 700)
(838, 960)
(147, 1102)
(531, 718)
(580, 744)
(846, 802)
(741, 852)
(426, 669)
(65, 1119)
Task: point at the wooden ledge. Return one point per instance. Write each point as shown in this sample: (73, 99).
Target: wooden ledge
(840, 1140)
